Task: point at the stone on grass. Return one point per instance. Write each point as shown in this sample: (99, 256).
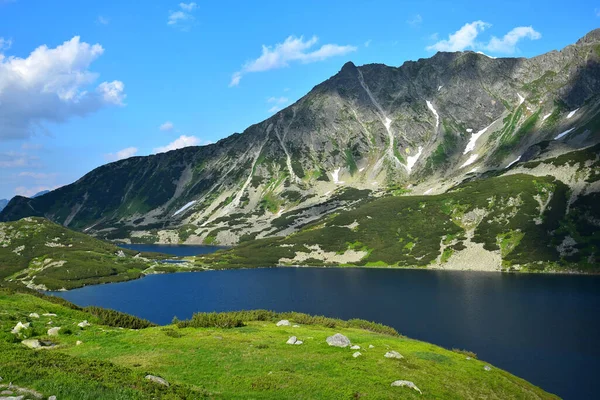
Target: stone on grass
(19, 327)
(77, 343)
(32, 343)
(393, 354)
(371, 346)
(356, 354)
(338, 340)
(53, 331)
(292, 340)
(407, 384)
(299, 342)
(468, 358)
(157, 379)
(49, 314)
(283, 322)
(83, 324)
(355, 347)
(295, 326)
(487, 368)
(34, 315)
(52, 398)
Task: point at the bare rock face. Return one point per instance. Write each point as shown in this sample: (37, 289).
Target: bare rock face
(157, 379)
(338, 340)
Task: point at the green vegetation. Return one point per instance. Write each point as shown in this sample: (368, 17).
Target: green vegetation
(40, 252)
(248, 361)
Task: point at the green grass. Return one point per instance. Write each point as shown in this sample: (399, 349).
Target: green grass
(251, 361)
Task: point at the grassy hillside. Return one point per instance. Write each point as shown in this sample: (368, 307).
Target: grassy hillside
(45, 255)
(519, 222)
(247, 357)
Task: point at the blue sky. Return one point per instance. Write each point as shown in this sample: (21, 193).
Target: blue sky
(121, 78)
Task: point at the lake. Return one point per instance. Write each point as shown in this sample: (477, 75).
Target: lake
(543, 328)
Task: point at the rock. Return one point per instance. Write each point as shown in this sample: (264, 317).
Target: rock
(283, 322)
(355, 347)
(295, 326)
(19, 327)
(120, 253)
(299, 342)
(356, 354)
(34, 315)
(12, 398)
(157, 379)
(371, 346)
(468, 358)
(77, 343)
(83, 324)
(487, 368)
(292, 340)
(52, 398)
(53, 331)
(338, 340)
(49, 315)
(407, 384)
(393, 354)
(32, 343)
(6, 392)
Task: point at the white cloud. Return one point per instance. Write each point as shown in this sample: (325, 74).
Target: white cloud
(122, 154)
(188, 7)
(508, 44)
(462, 39)
(278, 100)
(415, 21)
(292, 49)
(180, 142)
(102, 20)
(368, 43)
(465, 38)
(167, 126)
(51, 85)
(182, 18)
(274, 109)
(38, 176)
(5, 43)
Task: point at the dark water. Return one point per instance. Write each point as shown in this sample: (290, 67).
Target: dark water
(542, 328)
(173, 249)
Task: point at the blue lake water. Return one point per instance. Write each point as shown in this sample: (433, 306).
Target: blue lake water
(543, 328)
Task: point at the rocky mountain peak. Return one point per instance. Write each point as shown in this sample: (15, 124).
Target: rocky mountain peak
(590, 37)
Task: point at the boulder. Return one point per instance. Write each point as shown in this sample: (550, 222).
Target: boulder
(83, 324)
(487, 368)
(299, 342)
(283, 322)
(53, 331)
(355, 347)
(34, 315)
(393, 354)
(19, 327)
(356, 354)
(407, 384)
(52, 398)
(157, 379)
(338, 340)
(371, 346)
(292, 340)
(77, 343)
(32, 343)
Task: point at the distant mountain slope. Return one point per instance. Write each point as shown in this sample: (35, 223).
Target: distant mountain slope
(3, 203)
(38, 194)
(423, 126)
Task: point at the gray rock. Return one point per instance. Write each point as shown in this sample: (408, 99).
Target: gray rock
(19, 327)
(355, 347)
(52, 398)
(32, 343)
(12, 397)
(79, 342)
(299, 342)
(157, 379)
(407, 384)
(468, 358)
(393, 354)
(83, 324)
(53, 331)
(292, 340)
(34, 315)
(356, 354)
(49, 315)
(371, 346)
(283, 322)
(338, 340)
(487, 368)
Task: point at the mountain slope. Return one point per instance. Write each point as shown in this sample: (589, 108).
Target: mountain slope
(425, 125)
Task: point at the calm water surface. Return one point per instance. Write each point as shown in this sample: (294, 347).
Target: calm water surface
(542, 328)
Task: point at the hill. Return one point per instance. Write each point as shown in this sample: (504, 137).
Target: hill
(229, 356)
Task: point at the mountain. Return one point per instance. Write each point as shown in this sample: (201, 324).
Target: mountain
(421, 128)
(3, 203)
(38, 194)
(47, 256)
